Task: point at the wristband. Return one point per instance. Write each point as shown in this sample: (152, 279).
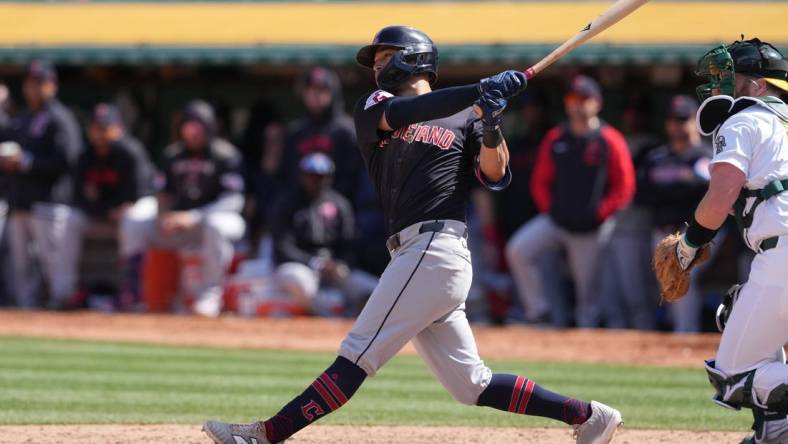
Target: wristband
(491, 136)
(697, 235)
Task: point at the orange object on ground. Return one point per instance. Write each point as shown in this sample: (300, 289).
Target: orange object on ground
(160, 279)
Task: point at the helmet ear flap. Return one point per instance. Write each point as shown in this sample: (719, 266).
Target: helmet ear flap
(395, 73)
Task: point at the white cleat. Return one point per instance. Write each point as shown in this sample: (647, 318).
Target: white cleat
(223, 433)
(600, 427)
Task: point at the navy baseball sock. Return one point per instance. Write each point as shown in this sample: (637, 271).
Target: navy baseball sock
(329, 392)
(519, 395)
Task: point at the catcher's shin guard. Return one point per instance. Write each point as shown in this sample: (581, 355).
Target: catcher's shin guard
(768, 428)
(735, 392)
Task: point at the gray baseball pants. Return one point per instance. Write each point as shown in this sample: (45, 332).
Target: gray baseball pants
(421, 298)
(40, 237)
(540, 236)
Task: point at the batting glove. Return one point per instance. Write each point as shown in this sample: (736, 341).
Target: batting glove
(508, 83)
(491, 104)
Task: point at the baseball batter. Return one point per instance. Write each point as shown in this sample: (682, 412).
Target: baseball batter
(749, 172)
(423, 149)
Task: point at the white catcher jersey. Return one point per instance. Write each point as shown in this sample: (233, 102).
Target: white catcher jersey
(755, 140)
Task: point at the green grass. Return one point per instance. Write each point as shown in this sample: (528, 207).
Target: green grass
(46, 381)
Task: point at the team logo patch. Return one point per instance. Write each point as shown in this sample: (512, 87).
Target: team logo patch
(377, 97)
(719, 144)
(311, 410)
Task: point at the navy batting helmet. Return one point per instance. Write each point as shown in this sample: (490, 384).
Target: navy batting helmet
(417, 54)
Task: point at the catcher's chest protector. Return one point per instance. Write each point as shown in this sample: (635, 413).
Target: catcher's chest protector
(711, 116)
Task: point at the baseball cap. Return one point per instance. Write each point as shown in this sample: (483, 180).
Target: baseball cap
(584, 86)
(321, 77)
(105, 115)
(41, 70)
(682, 107)
(200, 111)
(317, 163)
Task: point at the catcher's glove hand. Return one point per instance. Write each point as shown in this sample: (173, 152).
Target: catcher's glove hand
(673, 263)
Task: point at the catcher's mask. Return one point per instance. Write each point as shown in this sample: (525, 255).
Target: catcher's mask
(752, 57)
(416, 53)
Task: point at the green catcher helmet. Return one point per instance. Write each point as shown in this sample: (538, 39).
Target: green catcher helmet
(752, 57)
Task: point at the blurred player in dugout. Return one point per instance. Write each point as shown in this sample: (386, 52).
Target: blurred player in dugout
(5, 274)
(671, 180)
(113, 188)
(47, 144)
(325, 128)
(198, 207)
(583, 176)
(314, 239)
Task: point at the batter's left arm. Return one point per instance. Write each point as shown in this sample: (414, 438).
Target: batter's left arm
(494, 155)
(493, 161)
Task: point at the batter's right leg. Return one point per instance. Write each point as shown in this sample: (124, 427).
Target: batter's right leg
(449, 350)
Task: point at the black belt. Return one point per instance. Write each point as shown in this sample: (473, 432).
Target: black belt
(393, 242)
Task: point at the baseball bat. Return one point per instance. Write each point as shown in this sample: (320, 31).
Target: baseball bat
(608, 18)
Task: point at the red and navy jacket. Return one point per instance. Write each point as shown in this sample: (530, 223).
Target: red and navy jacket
(581, 181)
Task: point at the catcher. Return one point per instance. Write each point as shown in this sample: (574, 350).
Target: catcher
(748, 124)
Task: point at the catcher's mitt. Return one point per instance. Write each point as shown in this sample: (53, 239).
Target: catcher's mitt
(674, 281)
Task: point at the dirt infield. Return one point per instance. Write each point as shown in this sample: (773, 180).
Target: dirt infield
(307, 334)
(594, 346)
(117, 434)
